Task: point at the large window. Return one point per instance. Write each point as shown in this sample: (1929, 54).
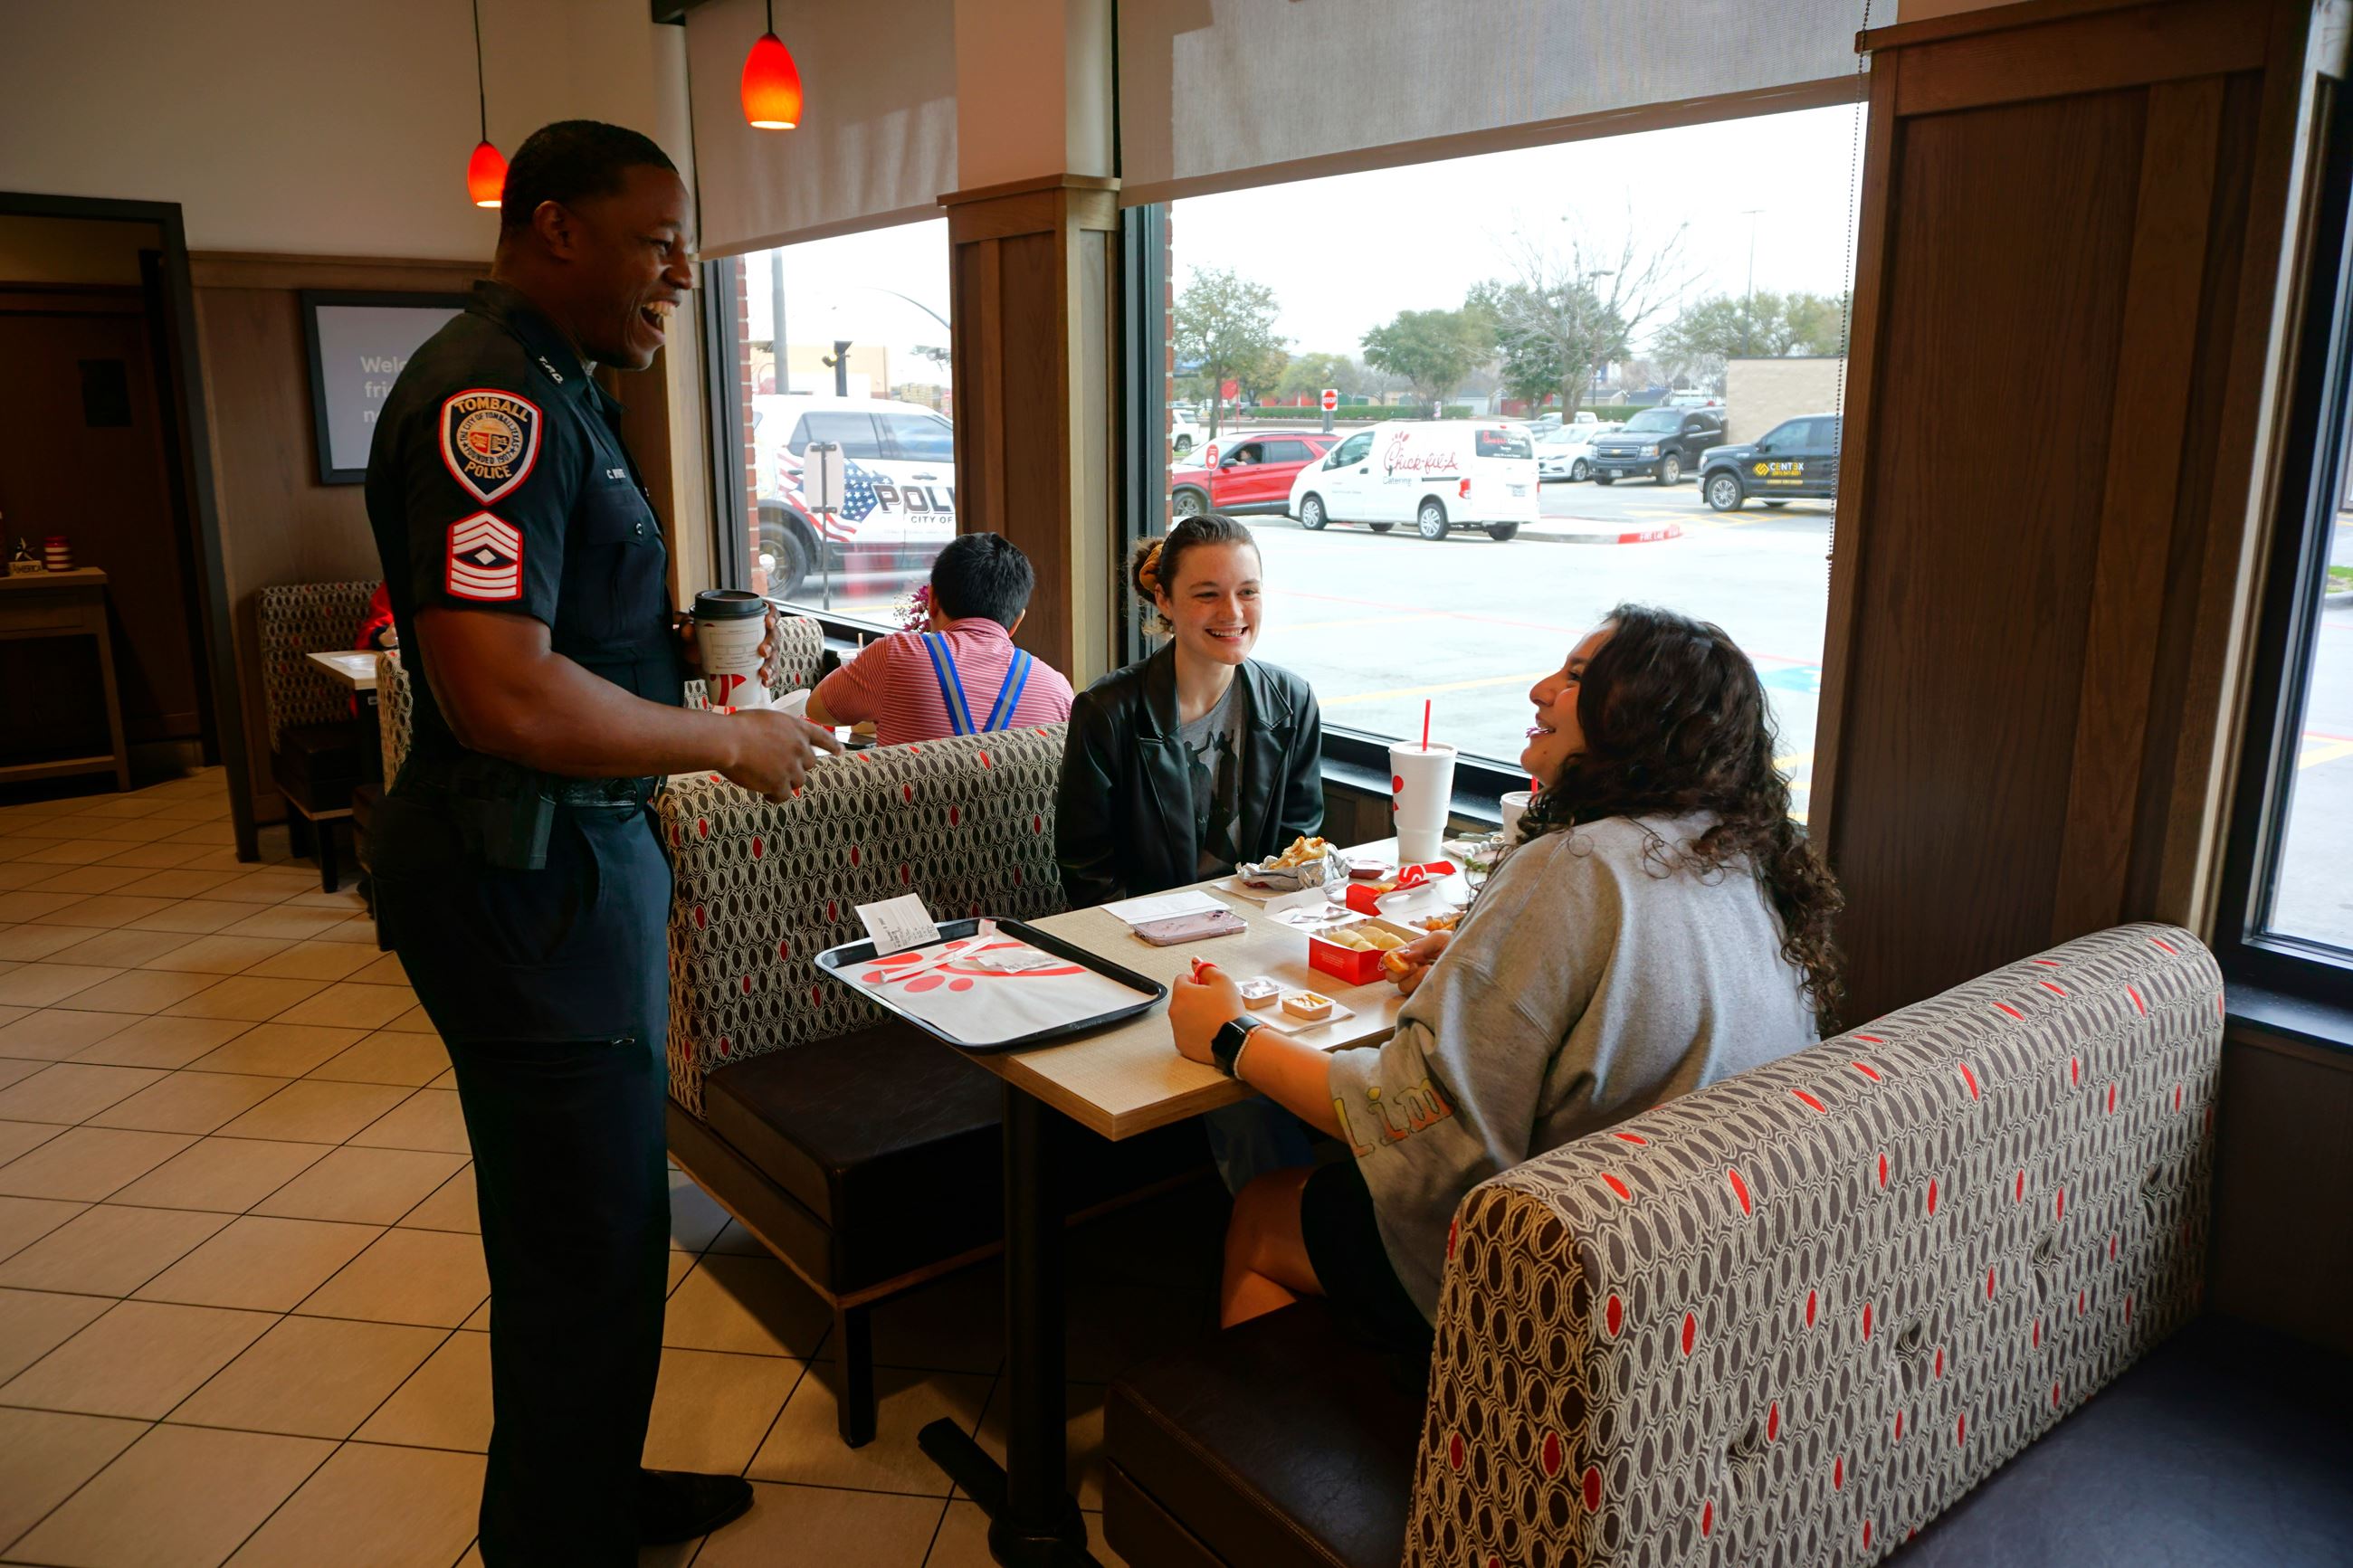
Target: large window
(846, 342)
(1534, 353)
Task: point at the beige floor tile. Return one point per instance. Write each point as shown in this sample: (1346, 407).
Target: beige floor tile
(45, 1454)
(131, 830)
(415, 1022)
(1082, 1436)
(159, 1041)
(384, 969)
(311, 1377)
(107, 910)
(23, 1221)
(16, 1069)
(963, 1540)
(22, 904)
(310, 1112)
(180, 1496)
(15, 1137)
(349, 1005)
(362, 1186)
(429, 1277)
(109, 1250)
(750, 1305)
(140, 991)
(22, 944)
(197, 917)
(264, 887)
(21, 874)
(447, 1080)
(100, 878)
(216, 954)
(155, 857)
(258, 1264)
(44, 984)
(126, 948)
(821, 1524)
(371, 1507)
(805, 1445)
(216, 858)
(427, 1119)
(87, 1164)
(180, 883)
(389, 1056)
(451, 1207)
(359, 931)
(711, 1411)
(244, 996)
(35, 1322)
(71, 1092)
(695, 1218)
(278, 1050)
(137, 803)
(346, 899)
(9, 1015)
(446, 1404)
(216, 834)
(190, 1103)
(53, 1034)
(309, 961)
(226, 1175)
(294, 924)
(733, 1239)
(72, 851)
(139, 1359)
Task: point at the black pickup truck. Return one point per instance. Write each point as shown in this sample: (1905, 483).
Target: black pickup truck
(1661, 444)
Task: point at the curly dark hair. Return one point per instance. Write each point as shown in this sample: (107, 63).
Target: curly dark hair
(1675, 723)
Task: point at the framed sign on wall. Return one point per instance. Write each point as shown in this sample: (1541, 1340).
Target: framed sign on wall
(358, 343)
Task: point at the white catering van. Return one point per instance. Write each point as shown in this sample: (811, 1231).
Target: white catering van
(1437, 474)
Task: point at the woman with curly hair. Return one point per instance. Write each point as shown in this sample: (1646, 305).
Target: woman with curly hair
(1661, 924)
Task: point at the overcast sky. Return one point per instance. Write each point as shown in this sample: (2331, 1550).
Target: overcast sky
(1346, 253)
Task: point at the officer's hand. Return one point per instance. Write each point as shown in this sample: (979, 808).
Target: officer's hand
(774, 750)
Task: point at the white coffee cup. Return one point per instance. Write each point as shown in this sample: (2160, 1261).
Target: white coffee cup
(730, 623)
(1422, 781)
(1516, 804)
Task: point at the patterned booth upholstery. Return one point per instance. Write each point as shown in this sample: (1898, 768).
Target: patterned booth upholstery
(864, 1153)
(315, 745)
(1792, 1318)
(395, 711)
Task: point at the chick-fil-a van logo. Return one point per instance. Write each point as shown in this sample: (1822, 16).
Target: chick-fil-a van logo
(1395, 459)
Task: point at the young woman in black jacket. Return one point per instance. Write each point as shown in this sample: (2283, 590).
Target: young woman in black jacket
(1197, 758)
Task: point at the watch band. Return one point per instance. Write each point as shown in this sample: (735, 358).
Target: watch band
(1226, 1044)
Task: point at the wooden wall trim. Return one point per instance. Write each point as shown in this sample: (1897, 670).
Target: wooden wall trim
(1028, 187)
(2111, 49)
(254, 270)
(1962, 23)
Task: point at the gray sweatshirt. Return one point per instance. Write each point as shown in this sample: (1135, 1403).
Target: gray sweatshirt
(1597, 975)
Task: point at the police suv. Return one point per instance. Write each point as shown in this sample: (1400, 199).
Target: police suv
(900, 462)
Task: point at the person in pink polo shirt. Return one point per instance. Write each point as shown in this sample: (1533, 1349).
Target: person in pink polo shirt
(962, 674)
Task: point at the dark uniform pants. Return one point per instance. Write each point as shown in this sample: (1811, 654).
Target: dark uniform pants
(550, 988)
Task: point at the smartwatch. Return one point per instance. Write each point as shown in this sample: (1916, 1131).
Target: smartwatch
(1226, 1045)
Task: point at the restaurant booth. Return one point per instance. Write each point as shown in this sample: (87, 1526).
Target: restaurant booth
(2042, 1257)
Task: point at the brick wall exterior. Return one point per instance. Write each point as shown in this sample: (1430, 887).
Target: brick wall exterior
(1758, 394)
(742, 337)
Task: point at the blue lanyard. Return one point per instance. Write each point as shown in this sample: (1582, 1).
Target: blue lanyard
(1008, 695)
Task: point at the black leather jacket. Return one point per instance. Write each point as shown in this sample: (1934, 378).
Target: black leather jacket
(1123, 813)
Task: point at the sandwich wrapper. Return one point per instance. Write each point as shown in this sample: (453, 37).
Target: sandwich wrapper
(1296, 878)
(1413, 885)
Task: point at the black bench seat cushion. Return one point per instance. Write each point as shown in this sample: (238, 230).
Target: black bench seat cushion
(317, 765)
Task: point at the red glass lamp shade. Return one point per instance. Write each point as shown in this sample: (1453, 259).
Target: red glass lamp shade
(772, 86)
(486, 176)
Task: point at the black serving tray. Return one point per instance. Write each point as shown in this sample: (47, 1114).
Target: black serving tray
(834, 960)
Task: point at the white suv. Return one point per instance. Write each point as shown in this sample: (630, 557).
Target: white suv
(901, 468)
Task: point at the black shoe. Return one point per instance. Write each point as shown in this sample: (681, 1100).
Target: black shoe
(680, 1505)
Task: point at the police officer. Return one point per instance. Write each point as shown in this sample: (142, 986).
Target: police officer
(517, 869)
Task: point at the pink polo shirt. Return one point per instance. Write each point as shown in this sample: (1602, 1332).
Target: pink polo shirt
(892, 682)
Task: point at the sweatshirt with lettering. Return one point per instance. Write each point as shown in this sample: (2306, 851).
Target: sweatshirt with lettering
(1598, 973)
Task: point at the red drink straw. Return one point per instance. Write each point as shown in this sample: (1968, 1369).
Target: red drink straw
(1425, 723)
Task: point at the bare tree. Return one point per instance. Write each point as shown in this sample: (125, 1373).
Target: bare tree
(1574, 305)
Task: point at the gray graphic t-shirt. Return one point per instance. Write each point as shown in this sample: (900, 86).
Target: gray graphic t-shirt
(1214, 743)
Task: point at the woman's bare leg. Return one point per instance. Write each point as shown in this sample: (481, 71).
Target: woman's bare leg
(1267, 1266)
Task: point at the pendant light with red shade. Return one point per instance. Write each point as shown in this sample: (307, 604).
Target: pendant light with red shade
(772, 82)
(486, 170)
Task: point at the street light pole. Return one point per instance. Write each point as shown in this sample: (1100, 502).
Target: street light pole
(1748, 310)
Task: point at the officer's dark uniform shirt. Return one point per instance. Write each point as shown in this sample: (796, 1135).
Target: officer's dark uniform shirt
(497, 475)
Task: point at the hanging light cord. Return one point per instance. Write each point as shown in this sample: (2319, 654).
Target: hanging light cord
(772, 16)
(481, 94)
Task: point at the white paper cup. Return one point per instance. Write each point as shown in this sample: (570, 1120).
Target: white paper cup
(729, 626)
(1516, 804)
(1423, 784)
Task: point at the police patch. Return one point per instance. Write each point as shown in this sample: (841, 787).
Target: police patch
(489, 440)
(485, 559)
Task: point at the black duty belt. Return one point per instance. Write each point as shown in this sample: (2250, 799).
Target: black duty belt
(487, 778)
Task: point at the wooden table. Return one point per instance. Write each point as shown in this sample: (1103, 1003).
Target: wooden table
(1127, 1081)
(67, 604)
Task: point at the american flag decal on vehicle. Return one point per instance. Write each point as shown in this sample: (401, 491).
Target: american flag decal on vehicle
(485, 559)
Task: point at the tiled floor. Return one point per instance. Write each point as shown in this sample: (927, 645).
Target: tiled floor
(242, 1300)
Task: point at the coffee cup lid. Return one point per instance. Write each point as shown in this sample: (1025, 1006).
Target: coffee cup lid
(728, 603)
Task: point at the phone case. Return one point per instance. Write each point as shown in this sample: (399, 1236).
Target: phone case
(1192, 928)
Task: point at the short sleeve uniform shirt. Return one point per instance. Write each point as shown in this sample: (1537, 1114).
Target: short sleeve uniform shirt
(497, 481)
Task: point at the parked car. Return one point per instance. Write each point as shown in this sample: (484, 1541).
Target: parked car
(1254, 475)
(1661, 442)
(902, 501)
(1185, 438)
(1692, 400)
(1796, 458)
(1566, 451)
(1439, 475)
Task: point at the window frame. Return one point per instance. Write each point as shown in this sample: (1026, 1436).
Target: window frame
(2285, 643)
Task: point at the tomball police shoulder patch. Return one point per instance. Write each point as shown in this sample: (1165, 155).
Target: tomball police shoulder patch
(485, 559)
(490, 438)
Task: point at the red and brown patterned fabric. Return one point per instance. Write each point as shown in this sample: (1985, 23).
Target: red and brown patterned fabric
(395, 711)
(1790, 1318)
(293, 621)
(762, 889)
